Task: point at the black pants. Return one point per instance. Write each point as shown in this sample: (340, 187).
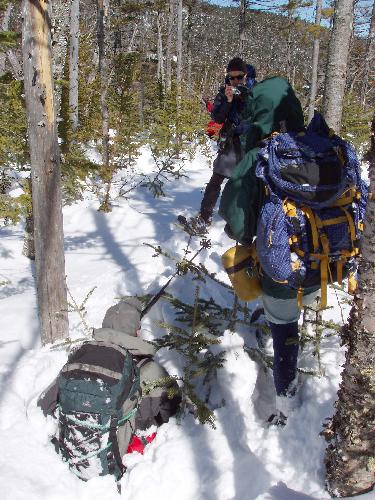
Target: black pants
(211, 195)
(285, 348)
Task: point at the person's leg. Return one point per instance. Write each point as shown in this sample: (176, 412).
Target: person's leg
(285, 347)
(282, 316)
(210, 197)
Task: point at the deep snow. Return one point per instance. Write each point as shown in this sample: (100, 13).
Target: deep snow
(242, 459)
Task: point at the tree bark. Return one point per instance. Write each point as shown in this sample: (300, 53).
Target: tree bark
(337, 63)
(60, 29)
(28, 249)
(179, 43)
(315, 60)
(369, 58)
(179, 69)
(102, 14)
(168, 55)
(160, 67)
(189, 28)
(242, 26)
(73, 63)
(5, 27)
(9, 54)
(350, 456)
(45, 171)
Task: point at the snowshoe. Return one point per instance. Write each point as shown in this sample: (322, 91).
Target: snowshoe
(195, 226)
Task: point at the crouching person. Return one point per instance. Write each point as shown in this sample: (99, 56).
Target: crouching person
(106, 392)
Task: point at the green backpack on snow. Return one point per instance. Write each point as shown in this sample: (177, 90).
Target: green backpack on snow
(98, 394)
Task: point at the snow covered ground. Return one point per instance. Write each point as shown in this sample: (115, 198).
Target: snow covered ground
(242, 459)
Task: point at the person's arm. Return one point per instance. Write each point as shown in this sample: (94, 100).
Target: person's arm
(221, 107)
(241, 200)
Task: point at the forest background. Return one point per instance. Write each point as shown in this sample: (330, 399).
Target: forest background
(135, 83)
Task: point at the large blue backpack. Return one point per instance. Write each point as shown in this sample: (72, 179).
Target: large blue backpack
(310, 224)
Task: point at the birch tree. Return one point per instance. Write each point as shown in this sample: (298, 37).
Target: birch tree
(350, 457)
(315, 60)
(45, 170)
(337, 62)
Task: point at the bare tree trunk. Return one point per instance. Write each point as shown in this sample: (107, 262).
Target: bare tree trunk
(369, 58)
(350, 456)
(73, 63)
(179, 65)
(168, 55)
(130, 46)
(337, 63)
(45, 171)
(242, 25)
(5, 27)
(179, 43)
(160, 67)
(189, 28)
(140, 87)
(315, 60)
(15, 64)
(60, 30)
(102, 14)
(9, 54)
(289, 41)
(28, 249)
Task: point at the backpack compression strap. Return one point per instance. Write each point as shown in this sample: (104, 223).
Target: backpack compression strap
(320, 239)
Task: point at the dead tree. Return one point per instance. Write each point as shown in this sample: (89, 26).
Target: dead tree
(45, 171)
(350, 456)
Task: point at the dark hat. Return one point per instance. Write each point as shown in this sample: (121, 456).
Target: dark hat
(236, 64)
(124, 316)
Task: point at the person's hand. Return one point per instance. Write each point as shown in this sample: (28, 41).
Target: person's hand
(229, 93)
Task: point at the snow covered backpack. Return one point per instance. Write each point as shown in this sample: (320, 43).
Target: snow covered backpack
(312, 218)
(98, 392)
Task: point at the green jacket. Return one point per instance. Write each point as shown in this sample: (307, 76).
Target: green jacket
(274, 107)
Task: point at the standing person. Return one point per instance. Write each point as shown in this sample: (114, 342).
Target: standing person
(296, 198)
(274, 108)
(230, 107)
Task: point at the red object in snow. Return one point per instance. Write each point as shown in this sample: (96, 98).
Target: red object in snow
(138, 444)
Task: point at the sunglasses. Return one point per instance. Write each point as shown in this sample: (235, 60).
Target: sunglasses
(238, 77)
